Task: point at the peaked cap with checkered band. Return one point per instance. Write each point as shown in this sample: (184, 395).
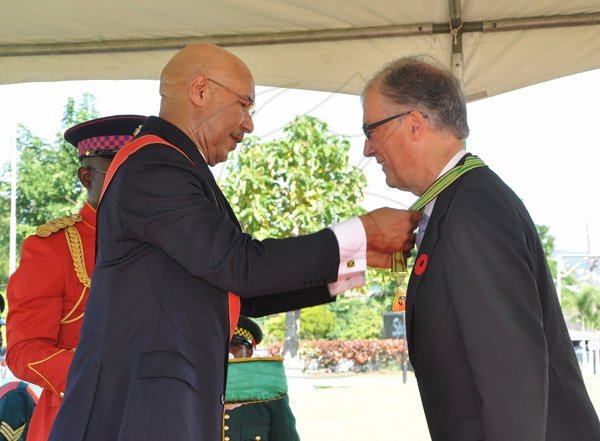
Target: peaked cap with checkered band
(248, 330)
(103, 136)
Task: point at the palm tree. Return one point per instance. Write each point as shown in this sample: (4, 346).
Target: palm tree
(585, 306)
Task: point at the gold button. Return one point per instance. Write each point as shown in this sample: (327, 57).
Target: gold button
(257, 438)
(226, 416)
(226, 438)
(62, 394)
(226, 428)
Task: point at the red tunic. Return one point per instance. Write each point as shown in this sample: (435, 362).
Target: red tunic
(46, 298)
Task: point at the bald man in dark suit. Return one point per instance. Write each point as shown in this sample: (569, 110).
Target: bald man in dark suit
(174, 270)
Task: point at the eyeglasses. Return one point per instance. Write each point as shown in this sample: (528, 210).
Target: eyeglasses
(248, 102)
(368, 127)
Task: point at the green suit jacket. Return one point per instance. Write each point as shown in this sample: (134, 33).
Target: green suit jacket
(261, 421)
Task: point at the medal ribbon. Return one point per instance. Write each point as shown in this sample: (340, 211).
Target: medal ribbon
(440, 184)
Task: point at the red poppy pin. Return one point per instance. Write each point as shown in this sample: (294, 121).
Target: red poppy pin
(421, 264)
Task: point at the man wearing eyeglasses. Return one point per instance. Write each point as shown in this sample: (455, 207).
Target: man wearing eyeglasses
(174, 269)
(48, 291)
(486, 334)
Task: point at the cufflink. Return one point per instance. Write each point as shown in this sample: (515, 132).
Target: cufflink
(350, 263)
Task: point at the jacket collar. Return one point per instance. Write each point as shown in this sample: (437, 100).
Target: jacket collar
(172, 134)
(175, 136)
(88, 214)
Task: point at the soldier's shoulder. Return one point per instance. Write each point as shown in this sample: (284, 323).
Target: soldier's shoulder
(56, 225)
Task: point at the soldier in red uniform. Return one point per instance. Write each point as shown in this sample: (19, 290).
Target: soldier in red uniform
(48, 292)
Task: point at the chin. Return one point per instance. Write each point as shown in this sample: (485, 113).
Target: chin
(390, 181)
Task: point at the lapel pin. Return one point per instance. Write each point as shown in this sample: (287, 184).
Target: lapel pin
(421, 264)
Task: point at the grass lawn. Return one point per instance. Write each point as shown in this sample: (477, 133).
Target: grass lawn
(367, 407)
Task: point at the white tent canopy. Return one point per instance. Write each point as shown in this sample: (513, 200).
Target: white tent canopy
(332, 45)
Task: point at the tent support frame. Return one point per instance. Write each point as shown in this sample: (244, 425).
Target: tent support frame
(456, 30)
(323, 35)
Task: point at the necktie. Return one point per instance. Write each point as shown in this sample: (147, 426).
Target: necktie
(422, 227)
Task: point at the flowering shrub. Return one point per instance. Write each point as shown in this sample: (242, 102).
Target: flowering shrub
(329, 355)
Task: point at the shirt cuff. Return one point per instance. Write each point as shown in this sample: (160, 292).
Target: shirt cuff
(352, 241)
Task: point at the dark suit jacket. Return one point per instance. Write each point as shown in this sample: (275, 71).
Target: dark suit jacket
(486, 334)
(152, 358)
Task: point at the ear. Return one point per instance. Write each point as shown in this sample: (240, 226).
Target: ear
(418, 125)
(85, 176)
(197, 90)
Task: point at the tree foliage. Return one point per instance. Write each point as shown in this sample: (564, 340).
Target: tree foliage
(294, 185)
(316, 323)
(357, 317)
(569, 283)
(47, 183)
(350, 317)
(584, 304)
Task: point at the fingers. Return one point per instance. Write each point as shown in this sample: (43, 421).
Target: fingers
(409, 243)
(390, 230)
(415, 217)
(379, 260)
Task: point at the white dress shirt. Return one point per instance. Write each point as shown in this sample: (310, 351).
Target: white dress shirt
(429, 207)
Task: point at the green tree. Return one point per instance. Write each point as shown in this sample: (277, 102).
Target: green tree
(292, 186)
(569, 284)
(584, 303)
(357, 317)
(316, 323)
(47, 182)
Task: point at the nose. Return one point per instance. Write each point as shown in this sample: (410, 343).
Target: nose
(248, 123)
(368, 149)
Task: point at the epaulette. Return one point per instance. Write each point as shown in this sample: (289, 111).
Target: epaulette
(55, 225)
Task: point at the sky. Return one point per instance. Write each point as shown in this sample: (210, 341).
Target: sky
(543, 140)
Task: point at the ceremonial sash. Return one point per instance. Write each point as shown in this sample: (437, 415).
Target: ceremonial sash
(439, 185)
(255, 379)
(119, 159)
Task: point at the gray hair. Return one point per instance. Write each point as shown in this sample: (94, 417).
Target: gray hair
(422, 83)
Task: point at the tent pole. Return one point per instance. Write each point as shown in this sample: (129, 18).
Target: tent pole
(456, 30)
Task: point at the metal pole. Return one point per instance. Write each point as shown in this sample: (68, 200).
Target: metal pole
(404, 352)
(271, 38)
(12, 261)
(456, 30)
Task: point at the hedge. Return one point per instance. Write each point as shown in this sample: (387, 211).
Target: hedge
(330, 355)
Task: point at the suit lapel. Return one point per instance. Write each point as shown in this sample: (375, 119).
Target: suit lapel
(173, 135)
(221, 199)
(419, 271)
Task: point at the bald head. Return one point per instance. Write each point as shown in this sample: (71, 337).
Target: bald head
(200, 59)
(207, 92)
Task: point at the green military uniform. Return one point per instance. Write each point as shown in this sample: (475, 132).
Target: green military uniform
(261, 421)
(259, 385)
(265, 415)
